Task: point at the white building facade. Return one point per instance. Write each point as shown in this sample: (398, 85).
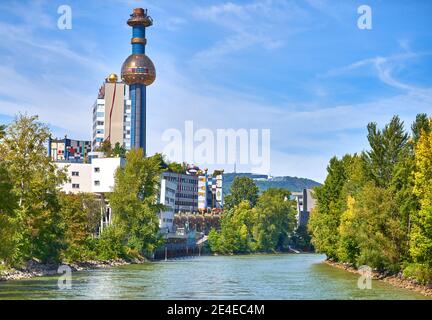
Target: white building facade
(167, 197)
(94, 177)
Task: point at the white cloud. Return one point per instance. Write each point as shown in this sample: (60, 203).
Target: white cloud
(264, 23)
(384, 67)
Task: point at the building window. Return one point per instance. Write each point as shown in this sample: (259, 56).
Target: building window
(75, 186)
(97, 183)
(97, 169)
(75, 173)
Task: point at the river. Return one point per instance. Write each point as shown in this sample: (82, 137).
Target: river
(289, 276)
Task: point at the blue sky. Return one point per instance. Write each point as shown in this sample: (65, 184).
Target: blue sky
(300, 68)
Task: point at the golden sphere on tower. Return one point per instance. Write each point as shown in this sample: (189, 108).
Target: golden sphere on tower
(138, 69)
(112, 78)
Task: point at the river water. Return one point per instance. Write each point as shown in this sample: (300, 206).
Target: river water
(289, 276)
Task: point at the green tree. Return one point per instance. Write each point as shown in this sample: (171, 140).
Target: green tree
(387, 147)
(106, 148)
(8, 223)
(235, 235)
(348, 246)
(242, 188)
(134, 202)
(35, 180)
(325, 217)
(119, 151)
(377, 230)
(275, 220)
(421, 232)
(421, 124)
(111, 244)
(2, 131)
(80, 217)
(301, 239)
(177, 167)
(214, 241)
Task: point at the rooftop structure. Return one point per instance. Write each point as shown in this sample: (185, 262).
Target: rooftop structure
(138, 71)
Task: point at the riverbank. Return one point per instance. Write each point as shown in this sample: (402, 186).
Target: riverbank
(397, 280)
(36, 269)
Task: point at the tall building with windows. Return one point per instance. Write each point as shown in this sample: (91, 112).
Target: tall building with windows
(112, 114)
(186, 197)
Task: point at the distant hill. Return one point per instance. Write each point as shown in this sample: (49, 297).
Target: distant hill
(263, 182)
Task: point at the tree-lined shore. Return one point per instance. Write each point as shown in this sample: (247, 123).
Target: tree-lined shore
(375, 207)
(40, 226)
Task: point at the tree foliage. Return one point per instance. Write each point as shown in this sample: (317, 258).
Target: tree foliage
(34, 182)
(134, 202)
(37, 221)
(325, 218)
(80, 219)
(242, 188)
(421, 232)
(376, 208)
(264, 228)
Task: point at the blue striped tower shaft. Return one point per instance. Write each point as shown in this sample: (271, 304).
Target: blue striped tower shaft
(138, 98)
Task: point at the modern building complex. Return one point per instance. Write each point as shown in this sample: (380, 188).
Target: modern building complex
(305, 204)
(68, 149)
(112, 114)
(186, 198)
(119, 116)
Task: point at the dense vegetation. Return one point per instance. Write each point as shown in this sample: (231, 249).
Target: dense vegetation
(375, 207)
(252, 222)
(37, 221)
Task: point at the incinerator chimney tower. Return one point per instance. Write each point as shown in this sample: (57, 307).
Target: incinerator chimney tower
(138, 71)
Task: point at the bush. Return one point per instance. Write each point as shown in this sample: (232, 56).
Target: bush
(420, 272)
(110, 244)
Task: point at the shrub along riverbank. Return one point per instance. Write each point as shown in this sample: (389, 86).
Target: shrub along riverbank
(397, 280)
(375, 207)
